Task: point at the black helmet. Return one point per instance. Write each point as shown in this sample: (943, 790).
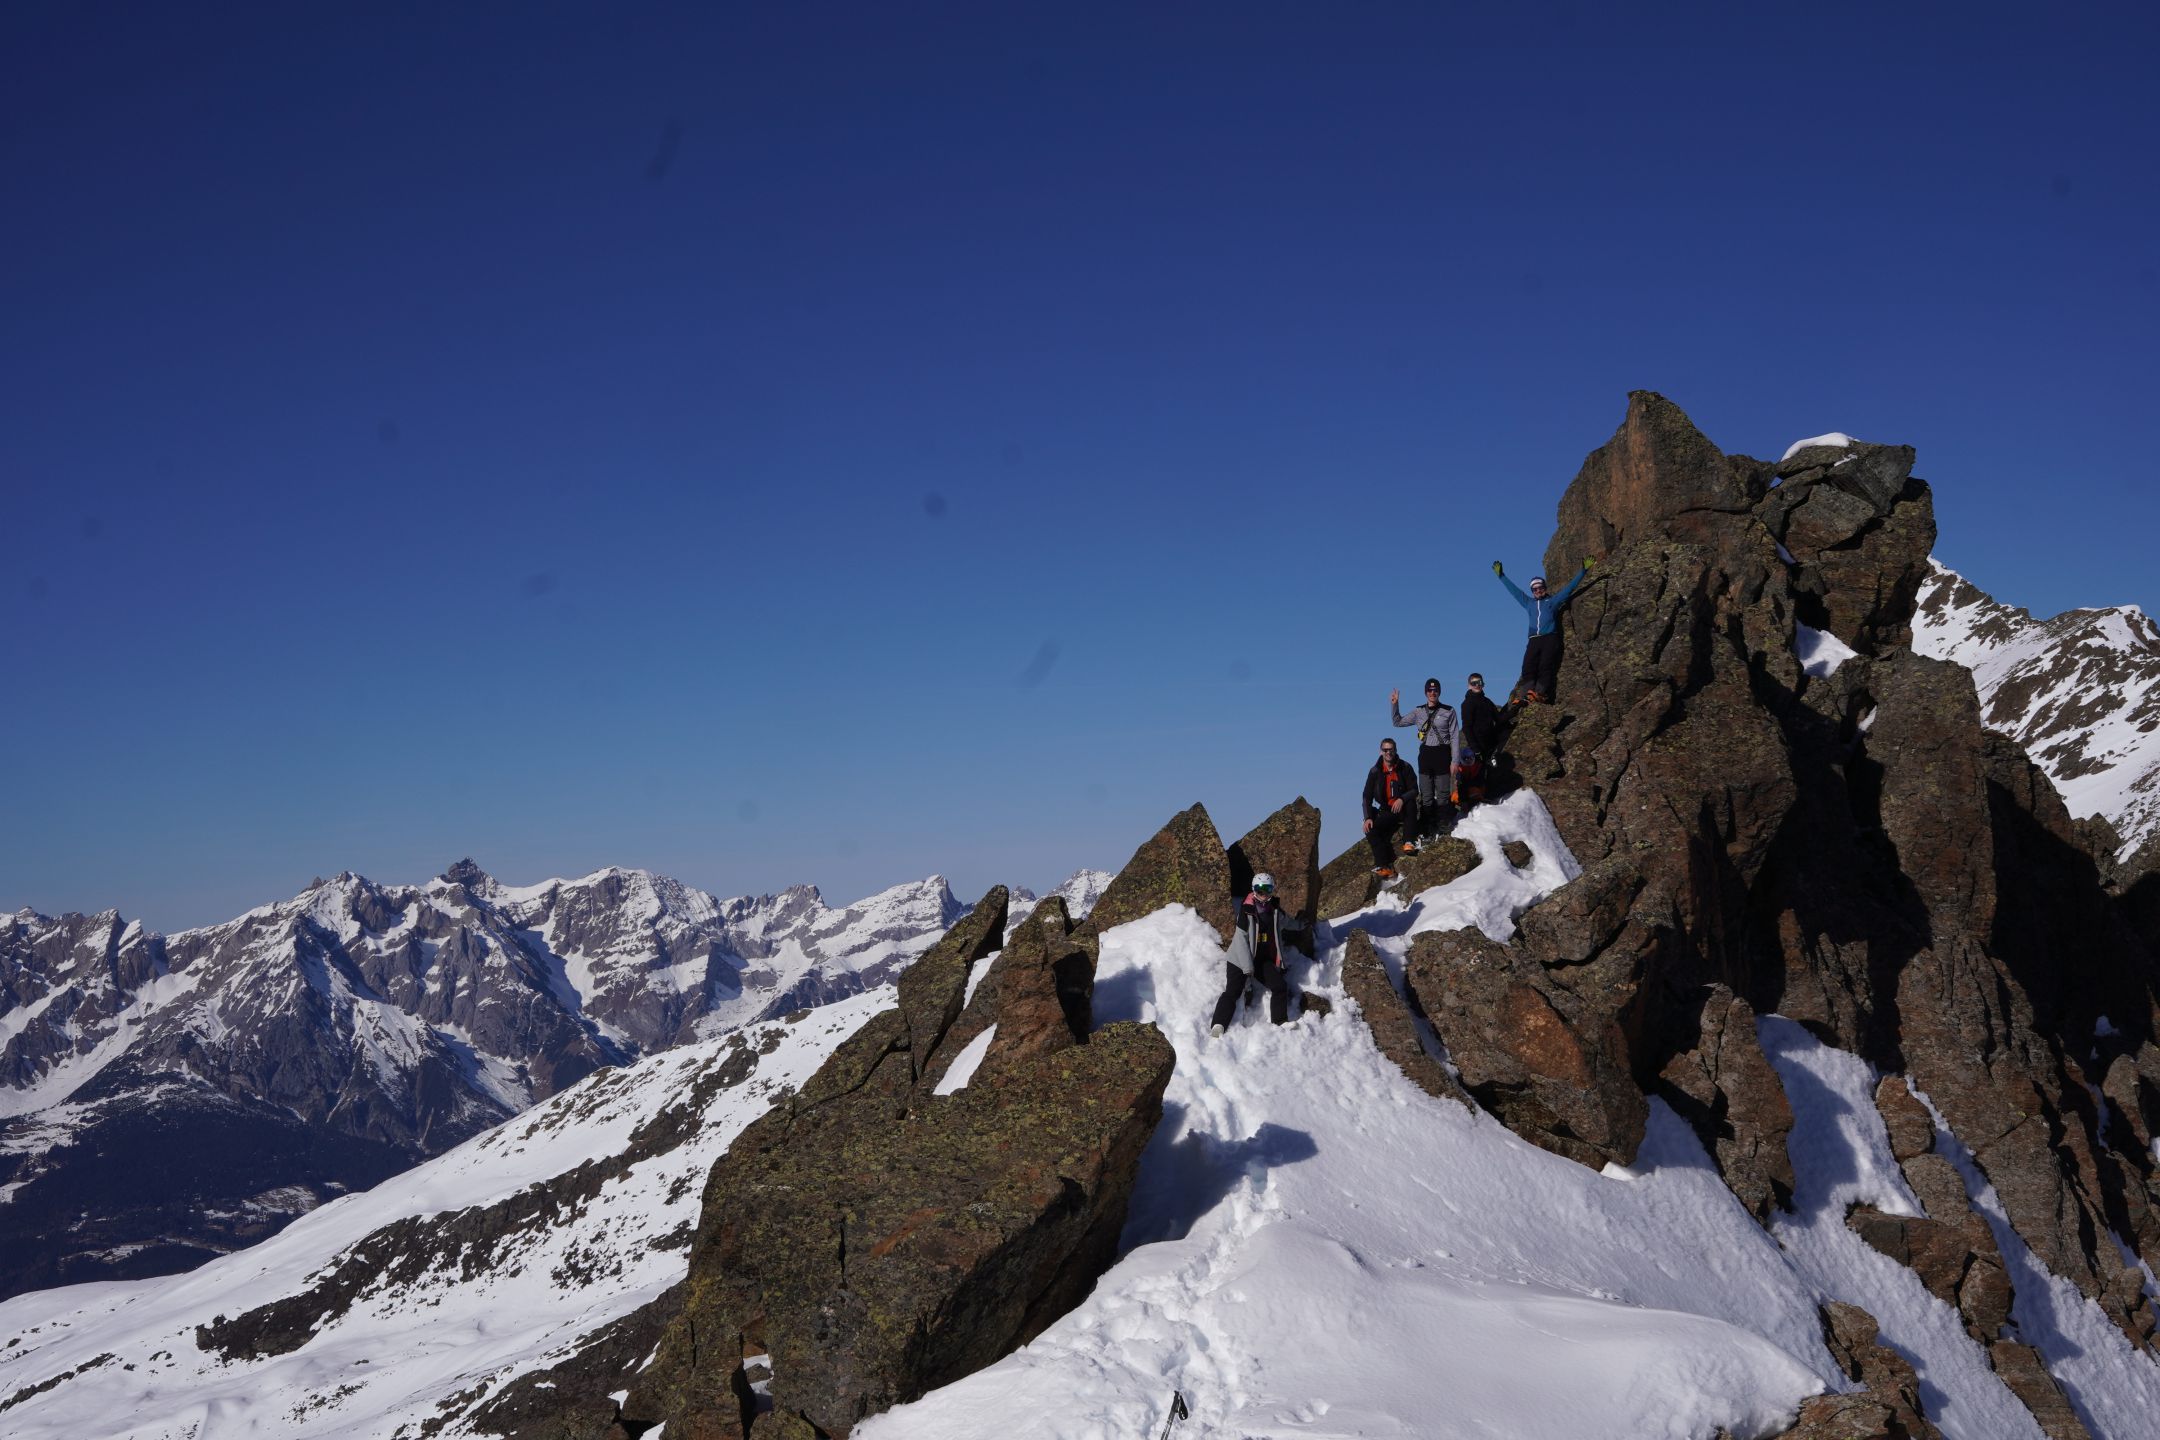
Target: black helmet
(1432, 683)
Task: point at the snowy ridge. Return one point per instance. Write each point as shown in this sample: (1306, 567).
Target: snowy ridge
(2081, 693)
(1315, 1248)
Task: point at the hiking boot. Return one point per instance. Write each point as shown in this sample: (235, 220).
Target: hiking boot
(1409, 847)
(1383, 872)
(1215, 1032)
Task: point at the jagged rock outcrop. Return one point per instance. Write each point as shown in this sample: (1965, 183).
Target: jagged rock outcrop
(1181, 864)
(1549, 1056)
(1394, 1024)
(877, 1239)
(1859, 529)
(1845, 845)
(1287, 846)
(1347, 883)
(1726, 1090)
(1886, 1408)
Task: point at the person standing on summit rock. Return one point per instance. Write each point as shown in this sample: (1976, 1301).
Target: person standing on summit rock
(1479, 732)
(1541, 657)
(1439, 744)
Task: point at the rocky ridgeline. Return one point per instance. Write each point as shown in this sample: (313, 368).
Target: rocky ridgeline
(894, 1225)
(1850, 848)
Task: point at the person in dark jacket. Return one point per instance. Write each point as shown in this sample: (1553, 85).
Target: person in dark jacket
(1260, 949)
(1480, 727)
(1541, 657)
(1436, 734)
(1390, 806)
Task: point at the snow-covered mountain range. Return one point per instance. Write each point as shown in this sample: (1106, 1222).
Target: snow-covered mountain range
(2080, 691)
(1315, 1247)
(165, 1098)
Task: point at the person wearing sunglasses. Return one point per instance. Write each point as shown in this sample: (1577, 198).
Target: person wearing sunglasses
(1438, 741)
(1260, 949)
(1480, 732)
(1541, 657)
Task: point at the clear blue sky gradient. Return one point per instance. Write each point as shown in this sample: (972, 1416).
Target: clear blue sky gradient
(836, 443)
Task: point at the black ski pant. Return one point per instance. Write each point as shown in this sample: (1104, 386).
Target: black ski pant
(1435, 784)
(1386, 825)
(1541, 664)
(1268, 970)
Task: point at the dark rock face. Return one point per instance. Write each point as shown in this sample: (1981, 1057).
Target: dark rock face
(1550, 1057)
(1393, 1024)
(1726, 1091)
(2027, 1376)
(1860, 530)
(1850, 849)
(876, 1239)
(1287, 846)
(1888, 1408)
(1183, 864)
(1657, 477)
(1347, 882)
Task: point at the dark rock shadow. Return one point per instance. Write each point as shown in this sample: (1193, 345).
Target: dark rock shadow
(1182, 1179)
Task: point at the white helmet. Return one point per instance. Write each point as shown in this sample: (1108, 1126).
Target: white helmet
(1263, 883)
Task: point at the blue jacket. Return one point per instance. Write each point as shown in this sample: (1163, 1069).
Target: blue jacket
(1544, 614)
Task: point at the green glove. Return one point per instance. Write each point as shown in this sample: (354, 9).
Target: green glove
(1496, 567)
(1586, 564)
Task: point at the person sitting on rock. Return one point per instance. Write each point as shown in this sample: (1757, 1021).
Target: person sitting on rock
(1438, 741)
(1257, 951)
(1541, 657)
(1390, 808)
(1478, 733)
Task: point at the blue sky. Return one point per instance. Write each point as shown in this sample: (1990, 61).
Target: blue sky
(837, 443)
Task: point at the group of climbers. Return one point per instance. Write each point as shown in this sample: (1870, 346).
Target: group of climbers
(1402, 813)
(1404, 808)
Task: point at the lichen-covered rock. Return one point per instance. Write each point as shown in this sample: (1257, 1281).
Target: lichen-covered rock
(1438, 863)
(1287, 846)
(1551, 1060)
(1043, 988)
(1394, 1027)
(1181, 864)
(1730, 1096)
(1347, 883)
(877, 1239)
(931, 989)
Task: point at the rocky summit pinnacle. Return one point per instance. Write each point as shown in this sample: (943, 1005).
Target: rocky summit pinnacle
(1839, 841)
(465, 872)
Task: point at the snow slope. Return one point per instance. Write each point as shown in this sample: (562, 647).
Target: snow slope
(386, 1365)
(1316, 1248)
(2080, 691)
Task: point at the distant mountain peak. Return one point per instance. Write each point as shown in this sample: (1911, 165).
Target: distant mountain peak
(2080, 691)
(467, 873)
